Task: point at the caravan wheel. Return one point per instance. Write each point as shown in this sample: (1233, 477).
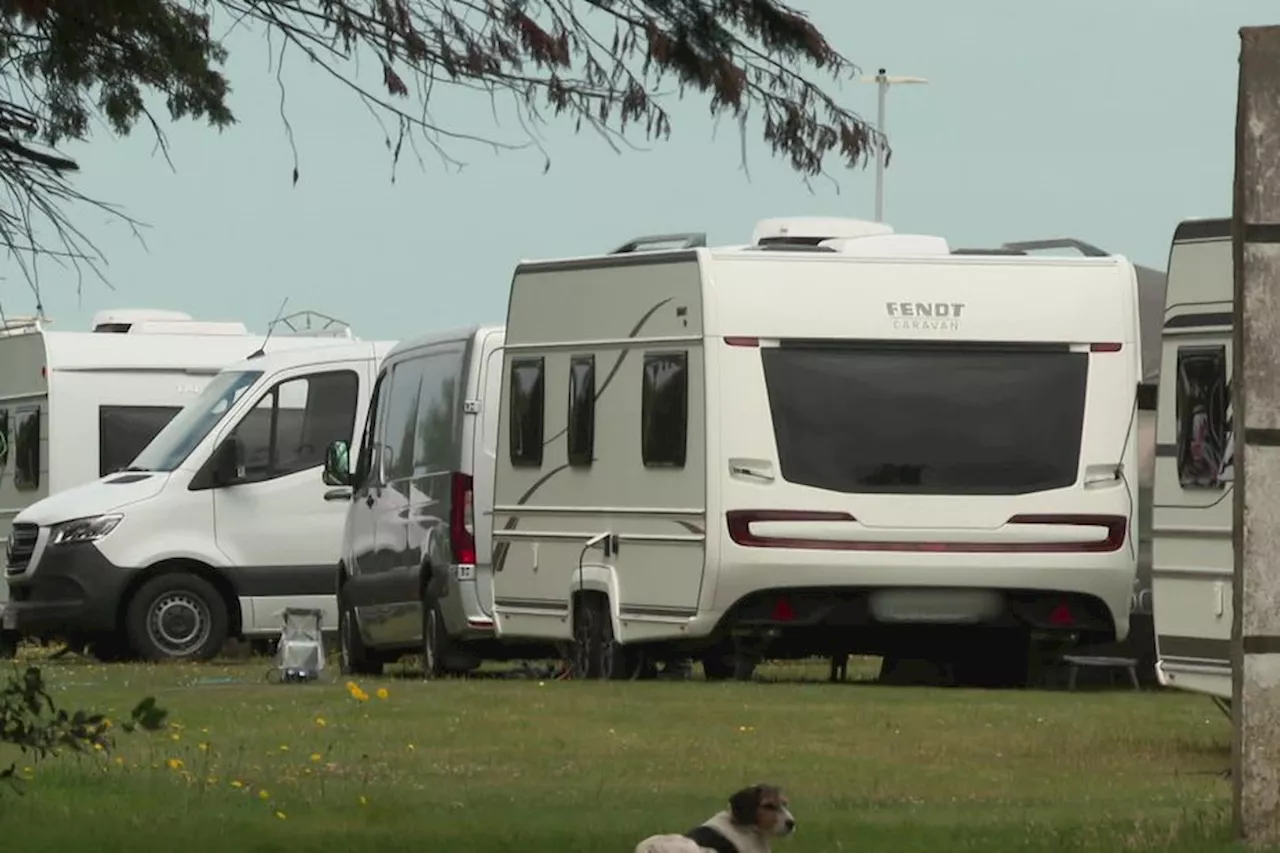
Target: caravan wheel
(596, 652)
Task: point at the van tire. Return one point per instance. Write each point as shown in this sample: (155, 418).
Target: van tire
(717, 666)
(597, 654)
(176, 616)
(9, 644)
(437, 647)
(353, 657)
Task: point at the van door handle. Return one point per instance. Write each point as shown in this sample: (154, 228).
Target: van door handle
(338, 495)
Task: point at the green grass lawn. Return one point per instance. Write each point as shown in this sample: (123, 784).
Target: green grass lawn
(535, 767)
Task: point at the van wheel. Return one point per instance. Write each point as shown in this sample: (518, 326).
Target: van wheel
(353, 656)
(176, 617)
(436, 645)
(597, 654)
(9, 644)
(717, 666)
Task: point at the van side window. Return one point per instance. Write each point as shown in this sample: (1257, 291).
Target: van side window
(528, 398)
(664, 409)
(398, 429)
(372, 423)
(1202, 405)
(4, 439)
(123, 432)
(26, 449)
(582, 409)
(436, 447)
(292, 424)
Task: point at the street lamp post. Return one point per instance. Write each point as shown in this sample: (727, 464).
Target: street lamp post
(883, 81)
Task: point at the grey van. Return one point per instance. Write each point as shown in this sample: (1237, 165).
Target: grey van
(416, 568)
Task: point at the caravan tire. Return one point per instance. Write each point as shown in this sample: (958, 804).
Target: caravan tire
(597, 654)
(355, 658)
(176, 616)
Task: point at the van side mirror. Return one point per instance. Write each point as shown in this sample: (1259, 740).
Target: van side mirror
(337, 464)
(228, 461)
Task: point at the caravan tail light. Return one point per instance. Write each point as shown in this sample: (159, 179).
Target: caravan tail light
(739, 524)
(1107, 347)
(742, 342)
(462, 525)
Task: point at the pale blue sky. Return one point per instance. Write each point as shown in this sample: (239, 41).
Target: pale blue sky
(1107, 120)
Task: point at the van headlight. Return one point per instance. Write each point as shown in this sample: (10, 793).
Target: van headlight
(83, 529)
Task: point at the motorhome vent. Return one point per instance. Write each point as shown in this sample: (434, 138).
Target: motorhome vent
(122, 320)
(890, 245)
(659, 242)
(812, 230)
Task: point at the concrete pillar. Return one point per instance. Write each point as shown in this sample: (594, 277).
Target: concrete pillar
(1256, 392)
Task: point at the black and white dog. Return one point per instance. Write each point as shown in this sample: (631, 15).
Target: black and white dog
(754, 817)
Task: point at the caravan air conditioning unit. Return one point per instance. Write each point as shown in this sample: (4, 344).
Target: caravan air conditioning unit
(151, 321)
(812, 230)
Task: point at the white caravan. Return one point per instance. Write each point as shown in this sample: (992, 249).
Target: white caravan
(1194, 558)
(78, 405)
(219, 523)
(834, 439)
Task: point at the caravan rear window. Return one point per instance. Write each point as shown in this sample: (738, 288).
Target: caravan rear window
(124, 431)
(926, 420)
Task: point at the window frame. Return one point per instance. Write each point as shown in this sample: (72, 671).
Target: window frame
(273, 436)
(5, 444)
(1221, 408)
(647, 392)
(21, 483)
(368, 437)
(584, 455)
(532, 458)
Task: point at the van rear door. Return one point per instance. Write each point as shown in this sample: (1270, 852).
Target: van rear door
(484, 456)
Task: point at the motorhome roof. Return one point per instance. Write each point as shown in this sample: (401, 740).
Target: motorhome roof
(91, 351)
(1202, 229)
(461, 333)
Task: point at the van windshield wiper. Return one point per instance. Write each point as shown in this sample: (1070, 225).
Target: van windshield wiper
(137, 468)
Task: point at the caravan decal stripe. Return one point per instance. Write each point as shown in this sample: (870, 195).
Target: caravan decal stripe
(1194, 648)
(1262, 437)
(1261, 644)
(1200, 321)
(500, 551)
(617, 365)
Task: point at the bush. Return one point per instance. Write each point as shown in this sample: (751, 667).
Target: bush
(31, 721)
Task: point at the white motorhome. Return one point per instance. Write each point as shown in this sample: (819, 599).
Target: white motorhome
(78, 405)
(834, 439)
(1193, 557)
(217, 525)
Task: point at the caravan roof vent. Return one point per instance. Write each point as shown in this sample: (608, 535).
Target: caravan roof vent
(155, 321)
(890, 245)
(812, 230)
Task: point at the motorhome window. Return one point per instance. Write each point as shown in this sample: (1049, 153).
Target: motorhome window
(528, 399)
(372, 423)
(4, 440)
(928, 420)
(292, 424)
(1202, 404)
(581, 436)
(173, 444)
(26, 449)
(664, 409)
(402, 416)
(124, 431)
(436, 447)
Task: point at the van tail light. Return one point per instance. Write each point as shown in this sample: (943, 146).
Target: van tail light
(462, 524)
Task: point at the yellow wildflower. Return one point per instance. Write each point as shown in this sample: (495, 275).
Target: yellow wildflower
(236, 783)
(320, 722)
(175, 764)
(316, 757)
(263, 795)
(383, 693)
(281, 815)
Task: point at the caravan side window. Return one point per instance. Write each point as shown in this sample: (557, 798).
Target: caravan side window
(528, 396)
(26, 449)
(582, 409)
(292, 424)
(1202, 408)
(664, 409)
(4, 439)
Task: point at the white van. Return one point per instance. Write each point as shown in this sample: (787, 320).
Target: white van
(217, 525)
(415, 574)
(1193, 554)
(834, 439)
(78, 405)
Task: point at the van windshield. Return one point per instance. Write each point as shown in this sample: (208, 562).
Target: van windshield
(927, 420)
(173, 444)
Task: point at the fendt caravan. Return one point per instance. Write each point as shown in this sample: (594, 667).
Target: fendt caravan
(79, 405)
(221, 522)
(835, 439)
(1193, 517)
